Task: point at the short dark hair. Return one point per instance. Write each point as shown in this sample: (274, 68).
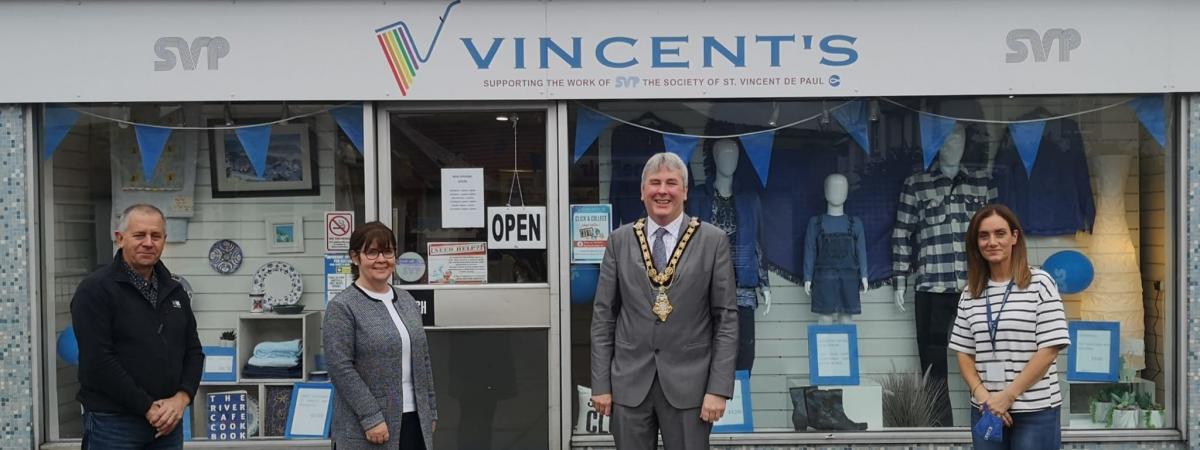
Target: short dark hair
(371, 234)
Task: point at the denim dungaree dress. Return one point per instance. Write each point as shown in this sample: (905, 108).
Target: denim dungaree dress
(836, 273)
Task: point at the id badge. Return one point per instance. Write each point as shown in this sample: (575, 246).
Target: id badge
(994, 372)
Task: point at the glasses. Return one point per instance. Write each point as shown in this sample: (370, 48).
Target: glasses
(375, 254)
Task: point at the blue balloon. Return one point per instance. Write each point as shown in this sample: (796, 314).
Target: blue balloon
(68, 347)
(1071, 270)
(584, 278)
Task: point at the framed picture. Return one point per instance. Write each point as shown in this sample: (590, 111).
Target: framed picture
(219, 364)
(833, 354)
(310, 411)
(285, 234)
(291, 166)
(1094, 351)
(738, 416)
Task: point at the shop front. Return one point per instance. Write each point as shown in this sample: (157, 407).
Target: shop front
(842, 147)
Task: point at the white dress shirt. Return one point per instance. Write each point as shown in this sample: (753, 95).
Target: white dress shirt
(669, 239)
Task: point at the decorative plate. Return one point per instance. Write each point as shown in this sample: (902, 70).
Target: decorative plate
(279, 282)
(251, 416)
(225, 256)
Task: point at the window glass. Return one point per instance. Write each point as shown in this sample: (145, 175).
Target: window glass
(843, 178)
(225, 225)
(497, 159)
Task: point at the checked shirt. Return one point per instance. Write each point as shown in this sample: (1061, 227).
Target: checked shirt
(931, 225)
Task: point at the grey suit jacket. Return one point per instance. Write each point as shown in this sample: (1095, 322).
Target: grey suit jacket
(693, 352)
(362, 352)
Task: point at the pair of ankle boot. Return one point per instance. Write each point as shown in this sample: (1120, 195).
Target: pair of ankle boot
(820, 409)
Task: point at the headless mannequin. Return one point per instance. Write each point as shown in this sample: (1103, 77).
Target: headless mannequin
(949, 161)
(836, 190)
(725, 157)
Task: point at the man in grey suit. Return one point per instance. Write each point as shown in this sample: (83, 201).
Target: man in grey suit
(664, 324)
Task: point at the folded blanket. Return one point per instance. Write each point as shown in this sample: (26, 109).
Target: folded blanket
(252, 371)
(268, 349)
(274, 361)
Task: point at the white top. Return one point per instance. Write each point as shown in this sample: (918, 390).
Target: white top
(406, 385)
(1033, 319)
(670, 238)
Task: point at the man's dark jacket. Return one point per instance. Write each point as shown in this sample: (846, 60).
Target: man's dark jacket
(130, 353)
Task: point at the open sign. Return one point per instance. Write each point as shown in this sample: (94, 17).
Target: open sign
(517, 227)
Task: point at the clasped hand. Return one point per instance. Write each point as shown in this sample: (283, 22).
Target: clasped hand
(164, 415)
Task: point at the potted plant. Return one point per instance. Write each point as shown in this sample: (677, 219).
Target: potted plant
(228, 337)
(1101, 404)
(1152, 413)
(1125, 412)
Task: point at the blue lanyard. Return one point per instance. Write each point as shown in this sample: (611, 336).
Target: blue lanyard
(994, 325)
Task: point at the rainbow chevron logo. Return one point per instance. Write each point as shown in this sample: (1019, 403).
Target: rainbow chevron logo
(401, 51)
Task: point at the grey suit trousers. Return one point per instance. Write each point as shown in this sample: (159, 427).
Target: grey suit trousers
(637, 427)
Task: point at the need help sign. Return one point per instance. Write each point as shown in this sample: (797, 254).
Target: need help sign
(521, 227)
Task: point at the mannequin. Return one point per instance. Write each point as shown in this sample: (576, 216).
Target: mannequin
(736, 209)
(931, 223)
(834, 254)
(949, 162)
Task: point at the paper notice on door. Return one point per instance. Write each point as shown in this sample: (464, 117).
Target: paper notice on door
(462, 198)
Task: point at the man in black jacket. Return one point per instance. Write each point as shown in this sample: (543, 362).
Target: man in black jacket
(140, 359)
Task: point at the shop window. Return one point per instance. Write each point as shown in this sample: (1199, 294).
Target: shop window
(496, 159)
(226, 227)
(1094, 209)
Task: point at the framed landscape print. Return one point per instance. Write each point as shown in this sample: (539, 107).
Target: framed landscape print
(291, 166)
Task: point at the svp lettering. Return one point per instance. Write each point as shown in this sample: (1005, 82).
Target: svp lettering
(166, 48)
(661, 52)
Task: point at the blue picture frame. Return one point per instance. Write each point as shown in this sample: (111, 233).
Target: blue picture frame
(741, 394)
(187, 423)
(1113, 373)
(815, 375)
(220, 352)
(296, 388)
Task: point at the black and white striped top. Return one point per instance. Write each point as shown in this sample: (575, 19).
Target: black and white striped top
(1033, 319)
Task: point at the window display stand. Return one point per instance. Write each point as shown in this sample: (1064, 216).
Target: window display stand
(252, 330)
(1077, 397)
(862, 402)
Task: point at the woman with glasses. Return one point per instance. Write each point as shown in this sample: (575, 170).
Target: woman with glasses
(1008, 333)
(377, 354)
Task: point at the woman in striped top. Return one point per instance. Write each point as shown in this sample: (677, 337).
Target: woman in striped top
(1009, 330)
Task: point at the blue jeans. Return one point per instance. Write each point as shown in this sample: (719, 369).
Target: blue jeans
(1037, 430)
(112, 431)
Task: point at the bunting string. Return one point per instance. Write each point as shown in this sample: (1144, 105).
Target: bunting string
(225, 127)
(1006, 122)
(721, 136)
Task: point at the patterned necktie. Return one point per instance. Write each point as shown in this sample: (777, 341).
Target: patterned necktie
(659, 251)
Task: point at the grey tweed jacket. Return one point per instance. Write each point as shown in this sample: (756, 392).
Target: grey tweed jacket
(362, 352)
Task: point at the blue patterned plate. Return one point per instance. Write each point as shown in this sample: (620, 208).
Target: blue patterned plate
(225, 256)
(279, 282)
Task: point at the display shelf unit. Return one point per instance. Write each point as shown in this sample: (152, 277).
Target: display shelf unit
(254, 328)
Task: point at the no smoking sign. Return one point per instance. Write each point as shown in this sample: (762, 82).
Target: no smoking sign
(338, 227)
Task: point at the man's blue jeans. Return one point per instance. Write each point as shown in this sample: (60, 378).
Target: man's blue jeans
(110, 431)
(1038, 430)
